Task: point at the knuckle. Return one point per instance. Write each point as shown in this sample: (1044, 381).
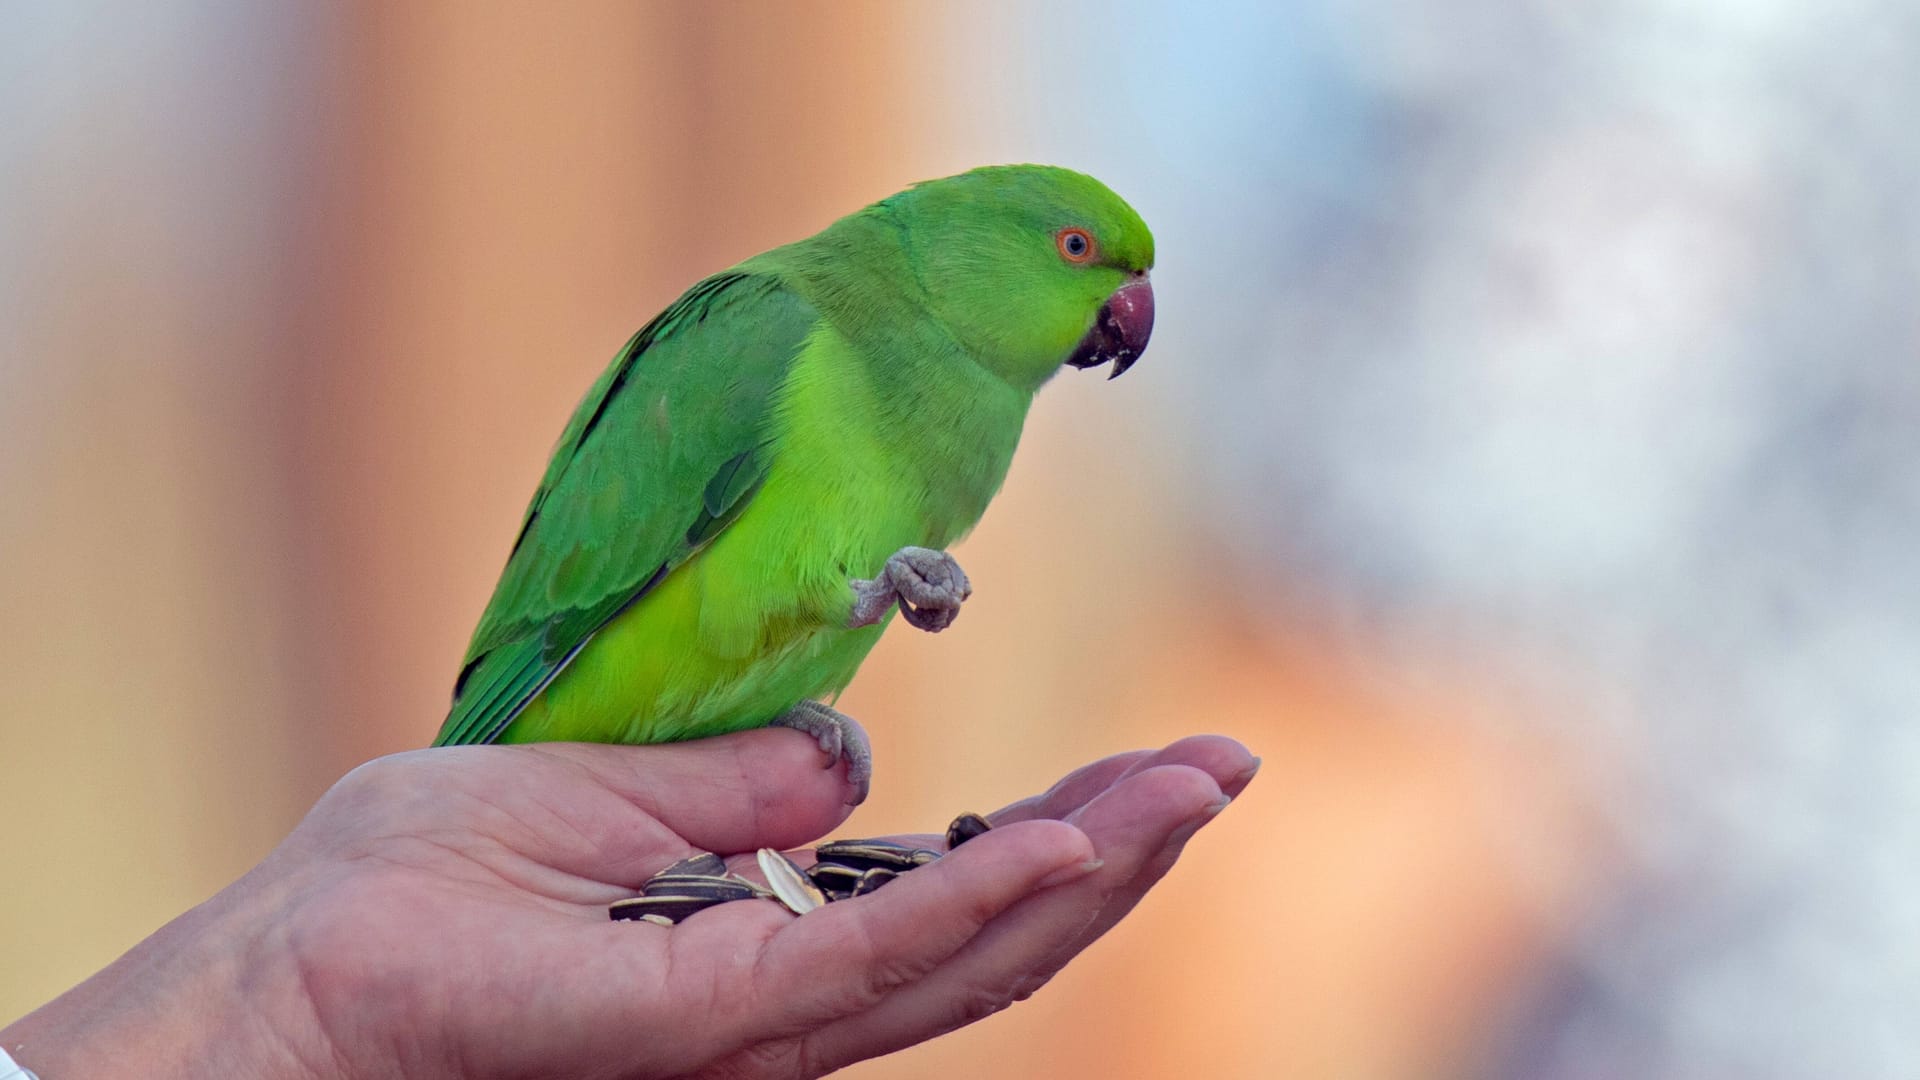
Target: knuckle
(1030, 985)
(886, 976)
(782, 1059)
(976, 1003)
(369, 777)
(880, 972)
(384, 779)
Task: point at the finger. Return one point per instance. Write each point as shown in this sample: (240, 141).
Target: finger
(1224, 759)
(1227, 760)
(1122, 900)
(754, 789)
(1072, 791)
(1131, 825)
(842, 959)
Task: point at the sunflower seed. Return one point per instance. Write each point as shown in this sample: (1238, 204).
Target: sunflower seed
(718, 888)
(674, 908)
(868, 854)
(705, 864)
(845, 868)
(833, 877)
(789, 882)
(873, 879)
(964, 828)
(759, 891)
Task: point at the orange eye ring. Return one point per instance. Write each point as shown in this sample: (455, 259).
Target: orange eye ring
(1076, 245)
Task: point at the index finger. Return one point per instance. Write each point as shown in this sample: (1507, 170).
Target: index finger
(1224, 759)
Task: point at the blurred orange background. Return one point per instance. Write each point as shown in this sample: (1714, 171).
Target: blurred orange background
(299, 301)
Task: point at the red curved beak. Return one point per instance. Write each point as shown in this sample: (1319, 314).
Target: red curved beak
(1121, 329)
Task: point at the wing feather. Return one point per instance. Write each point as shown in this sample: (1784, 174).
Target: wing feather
(660, 456)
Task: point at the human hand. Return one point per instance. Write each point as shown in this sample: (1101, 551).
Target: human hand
(443, 913)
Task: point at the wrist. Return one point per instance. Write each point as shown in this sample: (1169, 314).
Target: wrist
(208, 994)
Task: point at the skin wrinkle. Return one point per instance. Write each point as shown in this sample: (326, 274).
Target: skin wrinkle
(464, 857)
(313, 980)
(637, 797)
(1030, 984)
(773, 962)
(590, 845)
(636, 821)
(788, 1057)
(882, 979)
(259, 971)
(306, 975)
(977, 1004)
(526, 832)
(759, 806)
(764, 969)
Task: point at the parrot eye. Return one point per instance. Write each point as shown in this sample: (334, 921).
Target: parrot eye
(1076, 245)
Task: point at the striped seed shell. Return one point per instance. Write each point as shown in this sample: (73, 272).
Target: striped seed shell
(712, 887)
(873, 879)
(674, 908)
(868, 854)
(964, 828)
(705, 864)
(789, 883)
(833, 877)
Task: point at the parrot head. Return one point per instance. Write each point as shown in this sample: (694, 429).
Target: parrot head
(1032, 267)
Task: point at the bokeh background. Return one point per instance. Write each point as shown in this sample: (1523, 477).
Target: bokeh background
(1527, 465)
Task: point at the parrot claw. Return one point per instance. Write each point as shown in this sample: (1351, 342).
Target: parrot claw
(928, 586)
(840, 738)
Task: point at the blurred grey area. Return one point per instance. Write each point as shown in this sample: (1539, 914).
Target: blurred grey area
(1589, 333)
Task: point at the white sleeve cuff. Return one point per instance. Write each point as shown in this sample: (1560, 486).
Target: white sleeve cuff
(12, 1070)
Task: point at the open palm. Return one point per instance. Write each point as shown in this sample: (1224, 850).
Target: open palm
(462, 914)
(443, 913)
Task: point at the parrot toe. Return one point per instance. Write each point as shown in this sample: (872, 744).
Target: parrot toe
(928, 585)
(840, 738)
(927, 578)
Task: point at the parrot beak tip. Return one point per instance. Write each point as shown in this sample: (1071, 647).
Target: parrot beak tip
(1120, 329)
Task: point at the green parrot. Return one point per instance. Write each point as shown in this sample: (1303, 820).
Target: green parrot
(773, 465)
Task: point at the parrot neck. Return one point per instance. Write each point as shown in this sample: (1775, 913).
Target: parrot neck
(860, 276)
(931, 401)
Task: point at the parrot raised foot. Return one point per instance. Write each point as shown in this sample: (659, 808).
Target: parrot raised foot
(928, 585)
(839, 737)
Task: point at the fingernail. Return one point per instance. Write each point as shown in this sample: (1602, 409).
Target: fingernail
(1208, 812)
(1070, 872)
(1246, 775)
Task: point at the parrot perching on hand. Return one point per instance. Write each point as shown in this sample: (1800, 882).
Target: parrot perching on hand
(774, 464)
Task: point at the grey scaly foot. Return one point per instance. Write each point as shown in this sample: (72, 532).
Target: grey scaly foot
(839, 737)
(928, 585)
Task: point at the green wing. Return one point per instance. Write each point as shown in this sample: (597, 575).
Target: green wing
(661, 455)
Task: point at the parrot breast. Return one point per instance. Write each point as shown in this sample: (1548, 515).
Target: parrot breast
(756, 620)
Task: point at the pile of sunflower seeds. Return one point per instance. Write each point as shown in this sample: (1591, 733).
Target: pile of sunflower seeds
(843, 869)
